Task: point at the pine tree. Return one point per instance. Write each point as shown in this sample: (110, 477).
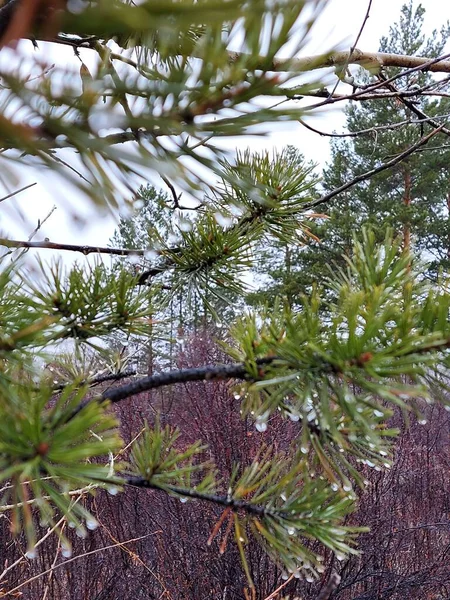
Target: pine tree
(383, 341)
(412, 197)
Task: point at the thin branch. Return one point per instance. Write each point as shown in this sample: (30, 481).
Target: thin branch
(275, 593)
(226, 501)
(368, 60)
(375, 129)
(71, 247)
(412, 106)
(70, 560)
(101, 379)
(353, 48)
(26, 187)
(176, 197)
(365, 93)
(368, 174)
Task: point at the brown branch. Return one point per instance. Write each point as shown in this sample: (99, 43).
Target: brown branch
(368, 174)
(275, 593)
(206, 373)
(374, 130)
(226, 501)
(100, 379)
(368, 60)
(71, 247)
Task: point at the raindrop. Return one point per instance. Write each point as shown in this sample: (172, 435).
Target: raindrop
(185, 225)
(91, 524)
(113, 490)
(261, 426)
(340, 556)
(31, 553)
(334, 487)
(183, 500)
(134, 259)
(81, 533)
(378, 413)
(309, 579)
(285, 576)
(72, 524)
(304, 450)
(294, 417)
(320, 569)
(422, 421)
(173, 239)
(291, 531)
(347, 487)
(222, 219)
(66, 551)
(150, 254)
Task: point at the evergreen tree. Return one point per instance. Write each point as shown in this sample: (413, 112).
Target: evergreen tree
(412, 197)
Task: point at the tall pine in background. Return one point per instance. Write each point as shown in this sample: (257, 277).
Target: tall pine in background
(413, 197)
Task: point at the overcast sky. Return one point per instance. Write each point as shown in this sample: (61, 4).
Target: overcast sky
(338, 27)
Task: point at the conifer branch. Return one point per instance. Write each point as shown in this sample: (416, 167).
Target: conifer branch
(205, 373)
(225, 501)
(71, 247)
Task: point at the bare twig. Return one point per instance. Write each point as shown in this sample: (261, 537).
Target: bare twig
(412, 106)
(368, 174)
(70, 560)
(353, 48)
(102, 379)
(71, 247)
(26, 187)
(176, 197)
(275, 593)
(373, 130)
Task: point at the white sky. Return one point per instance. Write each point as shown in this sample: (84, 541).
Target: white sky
(338, 27)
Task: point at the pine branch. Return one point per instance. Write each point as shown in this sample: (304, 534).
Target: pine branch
(101, 379)
(226, 501)
(71, 247)
(206, 373)
(368, 174)
(368, 60)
